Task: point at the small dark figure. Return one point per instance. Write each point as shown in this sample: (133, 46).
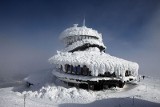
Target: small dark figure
(28, 84)
(143, 76)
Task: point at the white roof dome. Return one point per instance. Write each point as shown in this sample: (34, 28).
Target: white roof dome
(76, 31)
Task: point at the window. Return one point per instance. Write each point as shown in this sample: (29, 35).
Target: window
(85, 70)
(78, 70)
(127, 73)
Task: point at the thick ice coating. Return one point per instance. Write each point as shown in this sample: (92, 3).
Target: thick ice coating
(76, 31)
(84, 50)
(97, 62)
(83, 42)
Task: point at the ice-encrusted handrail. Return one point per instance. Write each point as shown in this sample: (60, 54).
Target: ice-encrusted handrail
(82, 42)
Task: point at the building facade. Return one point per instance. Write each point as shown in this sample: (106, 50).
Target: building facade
(84, 63)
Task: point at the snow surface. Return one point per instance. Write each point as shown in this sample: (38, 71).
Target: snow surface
(97, 62)
(55, 94)
(76, 31)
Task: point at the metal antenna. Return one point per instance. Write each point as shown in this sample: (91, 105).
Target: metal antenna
(84, 22)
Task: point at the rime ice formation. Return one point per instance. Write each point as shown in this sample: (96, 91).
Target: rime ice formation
(79, 31)
(84, 60)
(76, 44)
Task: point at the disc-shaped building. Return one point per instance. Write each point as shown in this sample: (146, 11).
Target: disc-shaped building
(84, 63)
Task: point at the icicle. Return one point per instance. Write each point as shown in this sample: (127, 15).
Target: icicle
(63, 67)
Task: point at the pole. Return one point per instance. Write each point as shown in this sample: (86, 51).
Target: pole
(24, 100)
(133, 100)
(146, 88)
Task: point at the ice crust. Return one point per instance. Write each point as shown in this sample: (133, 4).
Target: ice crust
(75, 31)
(82, 42)
(97, 62)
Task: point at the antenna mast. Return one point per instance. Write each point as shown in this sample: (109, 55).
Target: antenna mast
(84, 22)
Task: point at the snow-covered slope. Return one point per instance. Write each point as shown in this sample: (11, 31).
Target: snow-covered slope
(53, 94)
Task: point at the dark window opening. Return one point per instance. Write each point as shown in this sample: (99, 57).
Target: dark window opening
(77, 70)
(127, 73)
(107, 74)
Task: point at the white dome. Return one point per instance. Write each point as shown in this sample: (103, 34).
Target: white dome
(76, 31)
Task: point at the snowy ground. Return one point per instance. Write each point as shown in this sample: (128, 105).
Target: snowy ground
(53, 94)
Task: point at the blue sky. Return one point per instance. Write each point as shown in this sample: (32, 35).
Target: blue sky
(29, 31)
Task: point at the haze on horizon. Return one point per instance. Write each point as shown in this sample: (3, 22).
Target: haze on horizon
(29, 32)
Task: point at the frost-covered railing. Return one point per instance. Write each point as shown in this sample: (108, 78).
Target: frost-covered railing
(82, 42)
(74, 31)
(70, 40)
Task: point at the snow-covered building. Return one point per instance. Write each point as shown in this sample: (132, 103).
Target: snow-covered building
(84, 63)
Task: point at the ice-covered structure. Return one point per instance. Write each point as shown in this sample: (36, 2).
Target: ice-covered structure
(84, 63)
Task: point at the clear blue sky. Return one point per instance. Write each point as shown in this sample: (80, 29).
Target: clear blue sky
(29, 31)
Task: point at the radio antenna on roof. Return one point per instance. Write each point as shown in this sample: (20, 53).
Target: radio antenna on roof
(84, 22)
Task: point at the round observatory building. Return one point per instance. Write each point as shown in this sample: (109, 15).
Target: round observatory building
(83, 62)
